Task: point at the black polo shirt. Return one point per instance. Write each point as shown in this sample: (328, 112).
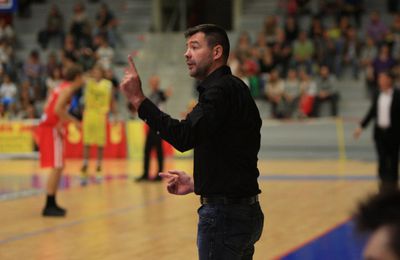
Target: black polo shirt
(224, 130)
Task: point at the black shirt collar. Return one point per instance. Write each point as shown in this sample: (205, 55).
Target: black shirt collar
(221, 71)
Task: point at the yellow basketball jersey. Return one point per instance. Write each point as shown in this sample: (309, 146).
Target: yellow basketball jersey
(98, 95)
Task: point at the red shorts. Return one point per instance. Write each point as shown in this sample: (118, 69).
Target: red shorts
(51, 146)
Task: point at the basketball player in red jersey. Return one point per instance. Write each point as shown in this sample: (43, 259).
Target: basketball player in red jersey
(51, 135)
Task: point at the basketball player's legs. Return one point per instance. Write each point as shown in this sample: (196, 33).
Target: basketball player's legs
(100, 142)
(54, 180)
(52, 155)
(100, 153)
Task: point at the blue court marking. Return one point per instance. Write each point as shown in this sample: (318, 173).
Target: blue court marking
(342, 242)
(81, 221)
(317, 177)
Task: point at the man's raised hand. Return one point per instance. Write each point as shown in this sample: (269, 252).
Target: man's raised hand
(131, 85)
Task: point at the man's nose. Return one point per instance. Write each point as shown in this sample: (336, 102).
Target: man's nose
(187, 53)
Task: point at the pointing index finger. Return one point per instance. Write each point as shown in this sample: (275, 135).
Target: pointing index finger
(132, 64)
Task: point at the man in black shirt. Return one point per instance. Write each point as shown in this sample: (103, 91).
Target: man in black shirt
(224, 130)
(385, 111)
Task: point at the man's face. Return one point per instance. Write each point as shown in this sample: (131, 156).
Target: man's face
(378, 247)
(198, 56)
(384, 82)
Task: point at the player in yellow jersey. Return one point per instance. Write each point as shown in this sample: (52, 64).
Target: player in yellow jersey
(98, 100)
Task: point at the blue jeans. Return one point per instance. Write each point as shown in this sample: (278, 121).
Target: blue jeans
(228, 231)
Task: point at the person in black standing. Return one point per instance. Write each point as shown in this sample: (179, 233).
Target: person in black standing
(385, 110)
(224, 130)
(158, 97)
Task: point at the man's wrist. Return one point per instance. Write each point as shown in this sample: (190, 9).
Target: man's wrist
(137, 101)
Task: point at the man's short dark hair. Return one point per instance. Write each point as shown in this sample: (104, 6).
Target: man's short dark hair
(71, 72)
(381, 210)
(214, 34)
(389, 74)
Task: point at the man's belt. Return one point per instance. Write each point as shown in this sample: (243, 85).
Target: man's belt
(229, 201)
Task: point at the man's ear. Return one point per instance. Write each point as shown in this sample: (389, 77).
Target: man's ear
(217, 52)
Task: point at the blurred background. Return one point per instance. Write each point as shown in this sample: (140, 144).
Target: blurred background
(287, 52)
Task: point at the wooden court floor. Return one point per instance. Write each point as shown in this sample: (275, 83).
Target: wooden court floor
(121, 219)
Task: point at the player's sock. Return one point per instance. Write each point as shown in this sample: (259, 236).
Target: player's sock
(50, 201)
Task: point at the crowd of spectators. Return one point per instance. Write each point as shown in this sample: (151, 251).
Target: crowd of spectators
(297, 60)
(25, 83)
(293, 65)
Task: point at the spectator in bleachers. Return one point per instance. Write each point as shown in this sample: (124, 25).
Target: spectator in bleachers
(8, 92)
(79, 23)
(6, 32)
(329, 8)
(352, 8)
(54, 29)
(368, 53)
(87, 58)
(383, 62)
(261, 44)
(351, 53)
(303, 51)
(6, 56)
(28, 112)
(291, 92)
(376, 28)
(243, 45)
(52, 63)
(53, 80)
(394, 36)
(290, 7)
(251, 70)
(271, 29)
(340, 38)
(241, 74)
(70, 52)
(325, 50)
(33, 71)
(86, 39)
(27, 95)
(316, 28)
(267, 62)
(234, 63)
(291, 29)
(282, 53)
(106, 24)
(308, 90)
(303, 7)
(274, 91)
(326, 91)
(105, 53)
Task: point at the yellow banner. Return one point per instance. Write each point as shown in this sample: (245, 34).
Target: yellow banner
(16, 137)
(136, 137)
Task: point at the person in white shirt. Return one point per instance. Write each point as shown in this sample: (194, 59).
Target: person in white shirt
(105, 54)
(8, 91)
(385, 110)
